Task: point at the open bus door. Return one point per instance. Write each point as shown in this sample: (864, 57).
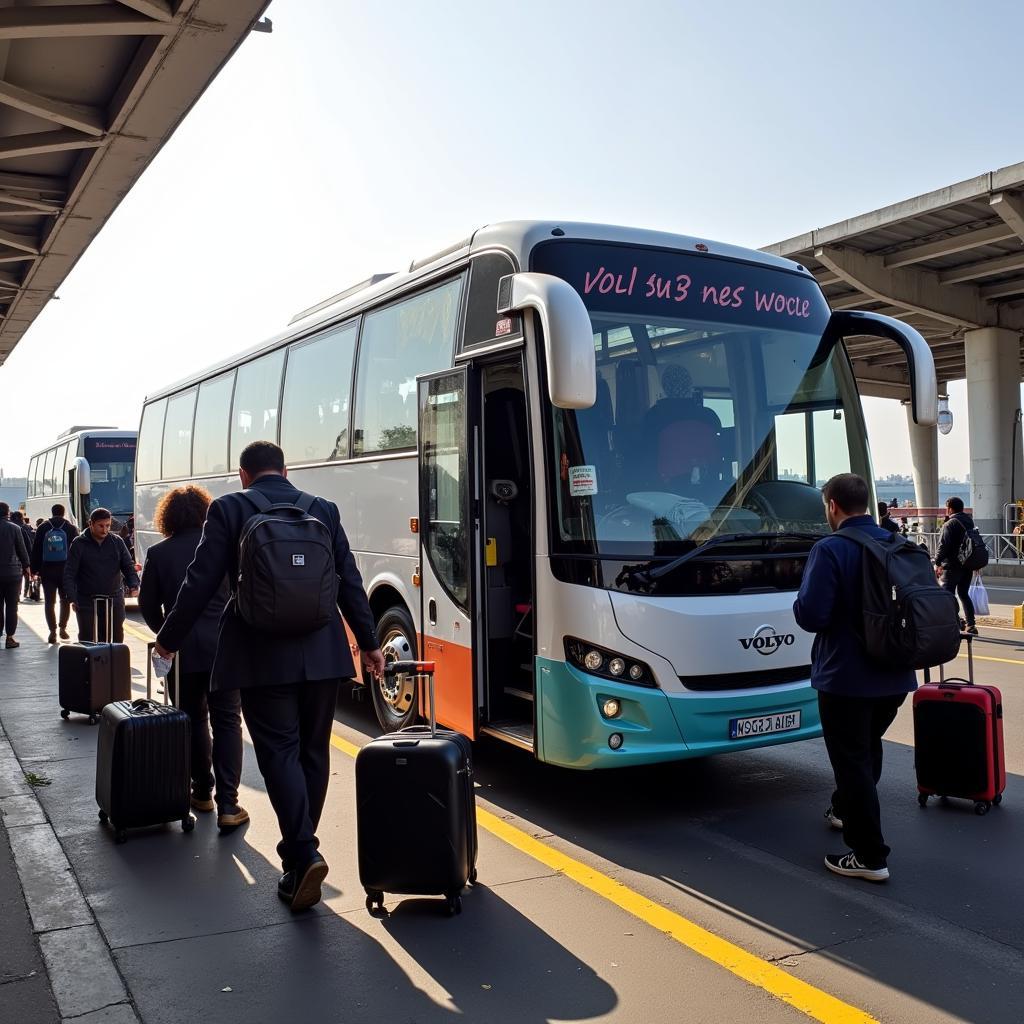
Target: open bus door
(447, 533)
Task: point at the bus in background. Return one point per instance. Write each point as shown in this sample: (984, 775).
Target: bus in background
(578, 466)
(85, 468)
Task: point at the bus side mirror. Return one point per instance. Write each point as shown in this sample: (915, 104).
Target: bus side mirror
(568, 334)
(81, 470)
(924, 391)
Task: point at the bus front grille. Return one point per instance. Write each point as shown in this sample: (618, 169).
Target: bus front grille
(747, 680)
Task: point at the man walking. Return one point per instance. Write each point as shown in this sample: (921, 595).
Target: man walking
(29, 534)
(857, 698)
(49, 559)
(14, 566)
(97, 562)
(956, 577)
(288, 683)
(885, 520)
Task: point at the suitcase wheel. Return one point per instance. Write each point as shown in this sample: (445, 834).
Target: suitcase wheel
(65, 714)
(103, 817)
(922, 799)
(981, 807)
(454, 905)
(121, 836)
(93, 719)
(374, 900)
(187, 824)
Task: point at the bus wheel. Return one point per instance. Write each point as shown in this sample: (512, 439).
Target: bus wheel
(394, 698)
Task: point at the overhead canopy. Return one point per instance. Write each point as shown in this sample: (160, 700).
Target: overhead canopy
(89, 92)
(945, 262)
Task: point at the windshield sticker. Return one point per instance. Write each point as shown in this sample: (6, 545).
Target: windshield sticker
(582, 481)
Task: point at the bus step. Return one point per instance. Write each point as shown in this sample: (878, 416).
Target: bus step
(521, 694)
(519, 734)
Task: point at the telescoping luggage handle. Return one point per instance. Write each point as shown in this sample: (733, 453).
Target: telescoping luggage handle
(108, 603)
(418, 669)
(953, 681)
(149, 673)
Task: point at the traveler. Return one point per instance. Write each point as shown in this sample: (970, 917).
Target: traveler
(127, 534)
(18, 518)
(97, 561)
(49, 559)
(956, 577)
(14, 565)
(886, 521)
(179, 516)
(857, 698)
(289, 682)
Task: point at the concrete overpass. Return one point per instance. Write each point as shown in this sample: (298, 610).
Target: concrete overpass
(89, 92)
(951, 263)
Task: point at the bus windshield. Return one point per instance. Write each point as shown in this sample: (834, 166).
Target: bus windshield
(112, 473)
(716, 411)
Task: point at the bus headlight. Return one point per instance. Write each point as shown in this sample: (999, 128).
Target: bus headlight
(599, 661)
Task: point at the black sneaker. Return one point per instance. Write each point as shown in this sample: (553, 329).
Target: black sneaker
(833, 819)
(847, 864)
(300, 889)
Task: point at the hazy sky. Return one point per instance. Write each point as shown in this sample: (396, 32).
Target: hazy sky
(358, 136)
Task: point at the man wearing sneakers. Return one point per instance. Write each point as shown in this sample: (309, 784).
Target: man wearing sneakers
(14, 566)
(49, 558)
(857, 698)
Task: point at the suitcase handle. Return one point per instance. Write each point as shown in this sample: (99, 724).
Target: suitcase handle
(418, 669)
(175, 668)
(108, 603)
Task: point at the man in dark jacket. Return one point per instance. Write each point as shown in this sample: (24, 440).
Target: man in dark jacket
(97, 562)
(956, 578)
(19, 520)
(857, 698)
(49, 560)
(288, 684)
(886, 521)
(14, 566)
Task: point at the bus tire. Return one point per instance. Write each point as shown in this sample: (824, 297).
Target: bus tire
(394, 699)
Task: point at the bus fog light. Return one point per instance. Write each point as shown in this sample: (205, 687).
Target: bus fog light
(611, 708)
(615, 740)
(593, 660)
(616, 666)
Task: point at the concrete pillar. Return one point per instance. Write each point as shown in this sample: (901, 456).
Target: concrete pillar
(993, 397)
(924, 454)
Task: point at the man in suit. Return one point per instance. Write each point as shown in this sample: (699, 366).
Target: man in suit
(288, 684)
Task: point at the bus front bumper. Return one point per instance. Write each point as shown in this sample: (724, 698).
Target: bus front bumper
(653, 725)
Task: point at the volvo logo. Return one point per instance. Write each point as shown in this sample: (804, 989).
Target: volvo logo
(766, 641)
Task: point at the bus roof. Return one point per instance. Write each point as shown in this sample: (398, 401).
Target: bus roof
(515, 237)
(74, 432)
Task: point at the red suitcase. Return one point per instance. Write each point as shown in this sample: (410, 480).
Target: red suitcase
(958, 740)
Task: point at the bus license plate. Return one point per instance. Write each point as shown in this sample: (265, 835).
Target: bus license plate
(762, 725)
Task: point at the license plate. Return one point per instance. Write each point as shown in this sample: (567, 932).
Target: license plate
(762, 725)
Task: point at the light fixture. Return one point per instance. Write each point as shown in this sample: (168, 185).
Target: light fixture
(945, 420)
(611, 708)
(615, 740)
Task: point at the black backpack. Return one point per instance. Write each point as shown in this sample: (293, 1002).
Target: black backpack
(287, 580)
(909, 621)
(972, 553)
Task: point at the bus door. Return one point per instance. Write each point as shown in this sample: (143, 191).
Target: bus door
(447, 532)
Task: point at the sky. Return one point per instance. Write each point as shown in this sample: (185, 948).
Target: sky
(356, 137)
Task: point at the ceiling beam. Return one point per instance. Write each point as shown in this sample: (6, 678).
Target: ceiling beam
(30, 204)
(68, 21)
(45, 142)
(17, 257)
(25, 243)
(159, 9)
(1011, 209)
(984, 268)
(1014, 286)
(71, 115)
(851, 301)
(948, 246)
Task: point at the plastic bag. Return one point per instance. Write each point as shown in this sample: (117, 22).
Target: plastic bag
(978, 595)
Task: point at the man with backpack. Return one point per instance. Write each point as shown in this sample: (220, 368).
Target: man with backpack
(281, 642)
(870, 599)
(49, 559)
(961, 553)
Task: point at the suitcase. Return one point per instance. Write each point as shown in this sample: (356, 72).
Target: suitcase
(33, 589)
(958, 740)
(143, 766)
(416, 810)
(92, 675)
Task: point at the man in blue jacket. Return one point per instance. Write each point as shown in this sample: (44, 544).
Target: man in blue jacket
(857, 698)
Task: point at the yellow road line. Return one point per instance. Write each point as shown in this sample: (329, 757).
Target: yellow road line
(989, 657)
(137, 633)
(812, 1001)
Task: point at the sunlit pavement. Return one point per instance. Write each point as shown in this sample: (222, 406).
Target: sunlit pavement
(728, 849)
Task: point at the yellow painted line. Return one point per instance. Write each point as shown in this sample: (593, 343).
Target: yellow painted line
(812, 1001)
(137, 633)
(989, 657)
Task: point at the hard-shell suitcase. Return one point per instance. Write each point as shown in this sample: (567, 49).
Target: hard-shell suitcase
(958, 740)
(416, 810)
(92, 675)
(33, 589)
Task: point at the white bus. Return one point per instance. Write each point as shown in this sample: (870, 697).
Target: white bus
(578, 466)
(85, 468)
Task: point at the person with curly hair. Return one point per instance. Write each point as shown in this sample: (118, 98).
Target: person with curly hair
(179, 516)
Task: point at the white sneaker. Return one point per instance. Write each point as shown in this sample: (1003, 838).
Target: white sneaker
(834, 821)
(847, 864)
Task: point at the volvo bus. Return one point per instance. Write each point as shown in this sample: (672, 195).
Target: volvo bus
(578, 466)
(85, 468)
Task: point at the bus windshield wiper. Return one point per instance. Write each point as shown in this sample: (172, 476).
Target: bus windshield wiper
(648, 576)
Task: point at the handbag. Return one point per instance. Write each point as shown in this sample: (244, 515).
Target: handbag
(978, 595)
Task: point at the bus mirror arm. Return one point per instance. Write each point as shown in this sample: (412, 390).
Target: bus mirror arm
(924, 392)
(568, 334)
(81, 471)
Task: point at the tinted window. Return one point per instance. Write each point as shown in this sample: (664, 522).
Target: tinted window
(483, 324)
(213, 413)
(150, 441)
(314, 412)
(48, 472)
(60, 477)
(398, 344)
(32, 476)
(254, 415)
(178, 435)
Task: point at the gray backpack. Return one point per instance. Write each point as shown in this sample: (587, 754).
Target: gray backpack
(287, 581)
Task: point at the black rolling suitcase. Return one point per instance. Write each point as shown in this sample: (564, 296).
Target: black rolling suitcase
(416, 810)
(143, 771)
(92, 675)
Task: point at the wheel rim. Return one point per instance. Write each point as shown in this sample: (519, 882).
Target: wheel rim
(397, 692)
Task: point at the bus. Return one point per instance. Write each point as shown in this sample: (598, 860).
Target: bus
(85, 468)
(578, 466)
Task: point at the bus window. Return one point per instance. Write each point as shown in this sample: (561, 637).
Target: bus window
(48, 472)
(150, 441)
(791, 446)
(31, 482)
(257, 393)
(60, 474)
(314, 411)
(213, 414)
(399, 343)
(111, 472)
(177, 449)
